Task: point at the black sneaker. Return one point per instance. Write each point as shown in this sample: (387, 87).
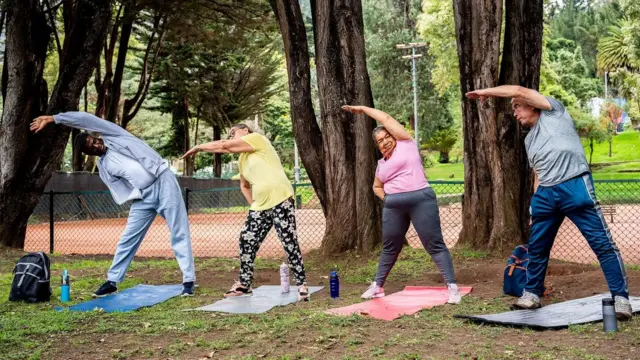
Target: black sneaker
(187, 289)
(108, 288)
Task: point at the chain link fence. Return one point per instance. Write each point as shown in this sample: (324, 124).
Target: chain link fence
(91, 223)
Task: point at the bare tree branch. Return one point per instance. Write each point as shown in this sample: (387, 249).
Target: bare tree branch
(51, 15)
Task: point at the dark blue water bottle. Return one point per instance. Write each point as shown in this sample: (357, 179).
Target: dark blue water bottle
(334, 284)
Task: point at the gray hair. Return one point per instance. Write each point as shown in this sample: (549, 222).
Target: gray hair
(375, 132)
(239, 126)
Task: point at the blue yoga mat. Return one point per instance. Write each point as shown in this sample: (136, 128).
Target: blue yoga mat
(263, 299)
(130, 299)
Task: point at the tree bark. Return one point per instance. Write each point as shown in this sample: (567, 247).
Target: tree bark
(77, 157)
(305, 127)
(497, 178)
(188, 161)
(128, 18)
(103, 85)
(352, 214)
(27, 161)
(27, 38)
(133, 105)
(217, 157)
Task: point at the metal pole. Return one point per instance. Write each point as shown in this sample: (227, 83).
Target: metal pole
(415, 94)
(296, 175)
(51, 221)
(186, 199)
(413, 57)
(296, 167)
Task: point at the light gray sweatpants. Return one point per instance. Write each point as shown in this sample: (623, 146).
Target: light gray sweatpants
(419, 207)
(163, 197)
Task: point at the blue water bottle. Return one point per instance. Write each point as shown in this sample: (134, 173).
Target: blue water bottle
(65, 295)
(334, 285)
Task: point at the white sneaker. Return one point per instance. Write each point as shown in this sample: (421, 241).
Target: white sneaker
(623, 308)
(454, 294)
(374, 291)
(528, 301)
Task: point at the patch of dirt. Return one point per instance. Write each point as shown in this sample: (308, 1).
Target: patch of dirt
(423, 334)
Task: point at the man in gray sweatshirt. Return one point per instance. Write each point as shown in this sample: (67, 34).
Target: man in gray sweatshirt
(132, 170)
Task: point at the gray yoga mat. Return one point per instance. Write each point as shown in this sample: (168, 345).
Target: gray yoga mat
(554, 316)
(263, 299)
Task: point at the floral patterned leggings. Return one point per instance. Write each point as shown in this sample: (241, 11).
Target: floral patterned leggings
(255, 229)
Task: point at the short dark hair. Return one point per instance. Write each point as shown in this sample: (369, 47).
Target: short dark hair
(80, 142)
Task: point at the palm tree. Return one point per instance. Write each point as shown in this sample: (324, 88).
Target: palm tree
(616, 50)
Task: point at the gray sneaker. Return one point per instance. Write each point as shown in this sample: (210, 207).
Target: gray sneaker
(528, 301)
(623, 308)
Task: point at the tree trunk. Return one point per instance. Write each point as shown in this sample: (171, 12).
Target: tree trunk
(128, 18)
(133, 105)
(217, 157)
(610, 145)
(305, 127)
(444, 157)
(590, 151)
(103, 85)
(27, 161)
(497, 178)
(27, 38)
(188, 161)
(77, 157)
(352, 213)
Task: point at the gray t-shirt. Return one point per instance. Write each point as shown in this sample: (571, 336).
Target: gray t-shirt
(554, 148)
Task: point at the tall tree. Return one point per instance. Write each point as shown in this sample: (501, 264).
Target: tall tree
(306, 129)
(385, 28)
(27, 161)
(208, 72)
(348, 157)
(497, 177)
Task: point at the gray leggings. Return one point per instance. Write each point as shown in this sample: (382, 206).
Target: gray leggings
(421, 208)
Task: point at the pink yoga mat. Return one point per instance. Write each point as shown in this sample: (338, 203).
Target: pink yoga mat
(406, 302)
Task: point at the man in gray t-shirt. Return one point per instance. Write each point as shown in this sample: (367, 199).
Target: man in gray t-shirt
(553, 146)
(563, 188)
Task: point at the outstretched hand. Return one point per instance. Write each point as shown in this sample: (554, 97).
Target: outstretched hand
(353, 109)
(40, 123)
(194, 150)
(476, 95)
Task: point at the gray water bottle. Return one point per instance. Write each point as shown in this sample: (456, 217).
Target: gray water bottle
(609, 315)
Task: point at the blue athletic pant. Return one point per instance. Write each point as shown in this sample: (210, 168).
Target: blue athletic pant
(575, 199)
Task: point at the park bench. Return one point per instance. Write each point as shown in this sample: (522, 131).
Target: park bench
(609, 210)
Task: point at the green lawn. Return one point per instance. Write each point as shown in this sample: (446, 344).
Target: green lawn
(446, 172)
(626, 147)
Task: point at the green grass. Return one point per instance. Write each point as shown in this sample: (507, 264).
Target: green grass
(445, 172)
(626, 147)
(303, 331)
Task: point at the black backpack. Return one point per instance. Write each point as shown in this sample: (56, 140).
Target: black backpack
(31, 279)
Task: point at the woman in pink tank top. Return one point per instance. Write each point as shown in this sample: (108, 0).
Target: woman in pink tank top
(401, 183)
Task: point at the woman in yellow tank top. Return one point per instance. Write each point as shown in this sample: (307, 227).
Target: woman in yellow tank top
(270, 194)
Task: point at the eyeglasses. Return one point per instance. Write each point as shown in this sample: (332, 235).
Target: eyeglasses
(386, 136)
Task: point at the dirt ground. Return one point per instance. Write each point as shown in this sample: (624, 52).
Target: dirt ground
(302, 331)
